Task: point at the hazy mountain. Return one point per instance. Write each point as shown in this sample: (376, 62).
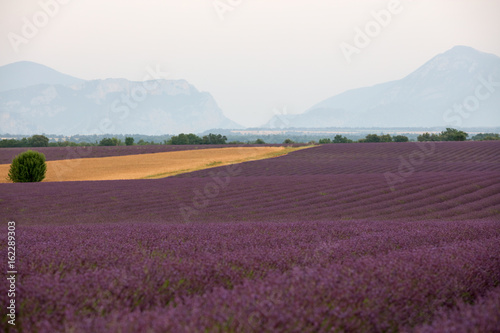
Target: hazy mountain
(65, 105)
(23, 74)
(427, 97)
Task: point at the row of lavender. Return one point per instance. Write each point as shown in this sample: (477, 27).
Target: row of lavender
(379, 158)
(260, 277)
(457, 196)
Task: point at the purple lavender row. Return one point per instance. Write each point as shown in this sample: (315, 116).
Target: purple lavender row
(394, 292)
(350, 282)
(361, 158)
(457, 196)
(92, 270)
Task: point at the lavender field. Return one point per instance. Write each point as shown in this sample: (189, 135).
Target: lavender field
(343, 237)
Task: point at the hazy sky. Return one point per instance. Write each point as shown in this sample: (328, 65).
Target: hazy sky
(256, 57)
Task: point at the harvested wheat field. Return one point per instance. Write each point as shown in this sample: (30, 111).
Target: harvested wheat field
(149, 166)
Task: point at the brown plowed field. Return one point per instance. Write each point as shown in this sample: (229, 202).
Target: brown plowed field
(156, 165)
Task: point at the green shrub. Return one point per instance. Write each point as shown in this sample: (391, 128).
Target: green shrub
(27, 167)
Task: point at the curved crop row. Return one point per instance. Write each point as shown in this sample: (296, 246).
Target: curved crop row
(361, 158)
(457, 196)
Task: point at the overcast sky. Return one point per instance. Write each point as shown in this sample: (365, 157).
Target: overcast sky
(256, 57)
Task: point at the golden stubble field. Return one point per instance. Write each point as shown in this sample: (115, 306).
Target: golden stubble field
(149, 166)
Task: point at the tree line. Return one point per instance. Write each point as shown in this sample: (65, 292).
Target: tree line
(450, 134)
(34, 141)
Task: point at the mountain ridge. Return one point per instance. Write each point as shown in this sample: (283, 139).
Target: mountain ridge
(69, 106)
(23, 74)
(426, 97)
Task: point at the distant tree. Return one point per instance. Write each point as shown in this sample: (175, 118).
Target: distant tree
(400, 138)
(372, 138)
(180, 139)
(38, 141)
(214, 139)
(186, 139)
(106, 142)
(385, 138)
(486, 137)
(428, 137)
(221, 139)
(288, 141)
(452, 134)
(34, 141)
(491, 137)
(129, 141)
(24, 142)
(194, 139)
(109, 142)
(259, 142)
(325, 141)
(341, 139)
(6, 143)
(27, 167)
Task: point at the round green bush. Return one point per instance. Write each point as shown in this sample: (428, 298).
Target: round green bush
(27, 167)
